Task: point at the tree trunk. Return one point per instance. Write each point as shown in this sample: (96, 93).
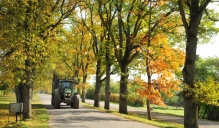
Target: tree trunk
(123, 90)
(84, 89)
(190, 106)
(190, 114)
(98, 85)
(107, 88)
(18, 92)
(76, 72)
(27, 100)
(27, 91)
(148, 110)
(191, 26)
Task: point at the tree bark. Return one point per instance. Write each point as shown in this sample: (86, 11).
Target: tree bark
(107, 88)
(98, 85)
(148, 110)
(27, 100)
(84, 89)
(123, 90)
(108, 65)
(18, 92)
(190, 106)
(27, 91)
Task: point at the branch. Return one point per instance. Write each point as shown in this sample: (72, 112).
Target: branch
(133, 57)
(204, 6)
(182, 13)
(112, 72)
(166, 15)
(209, 17)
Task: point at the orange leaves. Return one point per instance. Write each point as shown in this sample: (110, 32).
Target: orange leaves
(152, 91)
(161, 56)
(162, 60)
(149, 91)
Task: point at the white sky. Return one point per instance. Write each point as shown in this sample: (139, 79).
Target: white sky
(212, 48)
(208, 50)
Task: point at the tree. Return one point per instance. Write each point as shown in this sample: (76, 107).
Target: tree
(126, 40)
(158, 56)
(133, 31)
(161, 65)
(32, 24)
(191, 23)
(107, 16)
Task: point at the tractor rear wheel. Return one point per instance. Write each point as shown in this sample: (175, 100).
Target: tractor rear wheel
(57, 101)
(76, 100)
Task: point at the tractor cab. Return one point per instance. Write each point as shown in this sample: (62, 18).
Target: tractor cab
(66, 87)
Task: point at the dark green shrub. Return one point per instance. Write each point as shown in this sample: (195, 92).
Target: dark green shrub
(209, 112)
(90, 93)
(139, 102)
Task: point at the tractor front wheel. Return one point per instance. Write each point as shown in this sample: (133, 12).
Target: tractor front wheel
(76, 100)
(56, 101)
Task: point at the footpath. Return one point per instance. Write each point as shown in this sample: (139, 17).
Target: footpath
(163, 117)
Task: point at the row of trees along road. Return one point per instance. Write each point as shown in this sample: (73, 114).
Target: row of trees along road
(104, 37)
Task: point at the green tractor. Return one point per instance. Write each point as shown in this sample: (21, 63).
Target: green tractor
(63, 91)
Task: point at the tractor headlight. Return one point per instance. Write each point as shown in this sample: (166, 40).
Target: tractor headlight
(67, 94)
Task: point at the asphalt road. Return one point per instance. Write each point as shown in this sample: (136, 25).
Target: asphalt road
(85, 117)
(90, 118)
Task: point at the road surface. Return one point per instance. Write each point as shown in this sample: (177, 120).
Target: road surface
(85, 117)
(91, 118)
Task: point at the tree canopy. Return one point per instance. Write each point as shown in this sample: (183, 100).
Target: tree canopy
(106, 36)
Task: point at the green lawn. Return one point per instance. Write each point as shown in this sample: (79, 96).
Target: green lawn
(39, 116)
(178, 112)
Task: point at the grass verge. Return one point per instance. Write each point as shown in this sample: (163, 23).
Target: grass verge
(179, 112)
(39, 115)
(139, 118)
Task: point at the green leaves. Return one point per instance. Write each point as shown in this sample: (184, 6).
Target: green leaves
(207, 85)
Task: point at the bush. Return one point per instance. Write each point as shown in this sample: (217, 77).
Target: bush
(133, 99)
(114, 98)
(209, 112)
(139, 102)
(90, 93)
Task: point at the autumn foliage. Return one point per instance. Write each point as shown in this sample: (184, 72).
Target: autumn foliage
(162, 62)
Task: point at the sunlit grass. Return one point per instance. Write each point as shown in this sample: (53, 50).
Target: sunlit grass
(178, 112)
(39, 116)
(139, 118)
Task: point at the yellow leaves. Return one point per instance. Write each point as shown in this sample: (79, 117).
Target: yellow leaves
(207, 92)
(204, 92)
